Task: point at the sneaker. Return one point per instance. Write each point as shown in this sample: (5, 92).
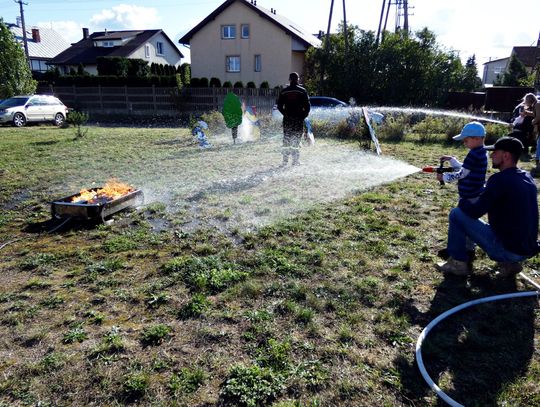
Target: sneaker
(453, 266)
(507, 269)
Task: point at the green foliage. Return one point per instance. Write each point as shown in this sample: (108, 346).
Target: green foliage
(77, 334)
(15, 74)
(155, 334)
(78, 120)
(185, 72)
(135, 384)
(187, 380)
(232, 110)
(404, 69)
(394, 129)
(121, 66)
(238, 84)
(514, 74)
(251, 386)
(265, 85)
(227, 84)
(203, 82)
(215, 82)
(111, 343)
(204, 273)
(251, 85)
(196, 306)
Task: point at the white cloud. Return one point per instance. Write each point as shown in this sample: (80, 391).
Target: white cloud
(127, 16)
(71, 31)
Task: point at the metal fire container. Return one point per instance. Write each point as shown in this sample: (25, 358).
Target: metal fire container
(82, 210)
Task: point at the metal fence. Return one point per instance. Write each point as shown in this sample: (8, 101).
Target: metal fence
(160, 101)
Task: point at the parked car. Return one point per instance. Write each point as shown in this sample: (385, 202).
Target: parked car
(317, 103)
(20, 110)
(326, 102)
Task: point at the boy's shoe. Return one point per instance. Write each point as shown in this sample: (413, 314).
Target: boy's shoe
(453, 266)
(507, 269)
(296, 162)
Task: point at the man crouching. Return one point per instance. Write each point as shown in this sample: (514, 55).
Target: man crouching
(510, 201)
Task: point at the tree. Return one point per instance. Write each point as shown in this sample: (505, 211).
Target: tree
(405, 69)
(470, 81)
(15, 74)
(515, 72)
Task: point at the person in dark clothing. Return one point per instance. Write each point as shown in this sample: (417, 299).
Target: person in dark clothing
(522, 117)
(293, 103)
(510, 201)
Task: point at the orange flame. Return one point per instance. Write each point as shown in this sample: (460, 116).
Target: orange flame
(112, 190)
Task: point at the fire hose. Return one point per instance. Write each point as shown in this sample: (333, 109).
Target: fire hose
(419, 360)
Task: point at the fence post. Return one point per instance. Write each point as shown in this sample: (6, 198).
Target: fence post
(100, 99)
(126, 99)
(154, 96)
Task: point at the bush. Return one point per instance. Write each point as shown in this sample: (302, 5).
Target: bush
(195, 82)
(203, 83)
(251, 386)
(238, 84)
(78, 120)
(265, 85)
(215, 121)
(394, 128)
(215, 82)
(227, 84)
(251, 85)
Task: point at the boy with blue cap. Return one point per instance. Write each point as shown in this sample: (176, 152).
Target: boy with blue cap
(471, 174)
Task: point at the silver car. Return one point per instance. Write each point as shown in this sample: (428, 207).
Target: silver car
(20, 110)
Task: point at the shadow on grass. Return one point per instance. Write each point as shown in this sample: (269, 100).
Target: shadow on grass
(44, 143)
(60, 225)
(473, 354)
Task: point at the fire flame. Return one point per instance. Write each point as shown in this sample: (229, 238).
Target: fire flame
(112, 190)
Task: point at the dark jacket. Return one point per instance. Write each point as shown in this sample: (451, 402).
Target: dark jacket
(293, 102)
(510, 201)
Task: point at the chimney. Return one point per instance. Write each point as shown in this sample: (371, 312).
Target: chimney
(35, 35)
(85, 33)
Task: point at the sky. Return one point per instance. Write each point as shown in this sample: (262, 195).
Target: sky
(486, 28)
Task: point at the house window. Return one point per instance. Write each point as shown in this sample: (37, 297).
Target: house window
(228, 32)
(108, 44)
(147, 51)
(159, 48)
(257, 64)
(245, 30)
(232, 63)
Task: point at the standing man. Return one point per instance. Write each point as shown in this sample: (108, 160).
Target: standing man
(510, 201)
(293, 103)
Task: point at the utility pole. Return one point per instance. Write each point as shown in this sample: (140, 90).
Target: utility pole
(537, 65)
(402, 10)
(25, 40)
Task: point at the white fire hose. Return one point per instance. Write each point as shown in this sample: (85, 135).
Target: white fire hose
(450, 401)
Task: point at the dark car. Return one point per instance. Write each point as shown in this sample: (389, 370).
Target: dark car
(325, 101)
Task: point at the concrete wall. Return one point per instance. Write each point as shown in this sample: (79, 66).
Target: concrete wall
(209, 50)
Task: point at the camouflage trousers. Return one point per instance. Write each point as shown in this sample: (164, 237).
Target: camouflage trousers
(292, 134)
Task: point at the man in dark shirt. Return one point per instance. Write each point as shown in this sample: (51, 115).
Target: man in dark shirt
(293, 103)
(510, 201)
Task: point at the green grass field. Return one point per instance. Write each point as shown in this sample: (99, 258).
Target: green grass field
(238, 283)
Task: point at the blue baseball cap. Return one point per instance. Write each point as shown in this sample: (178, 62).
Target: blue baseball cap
(472, 129)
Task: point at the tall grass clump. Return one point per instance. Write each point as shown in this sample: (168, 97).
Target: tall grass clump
(394, 128)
